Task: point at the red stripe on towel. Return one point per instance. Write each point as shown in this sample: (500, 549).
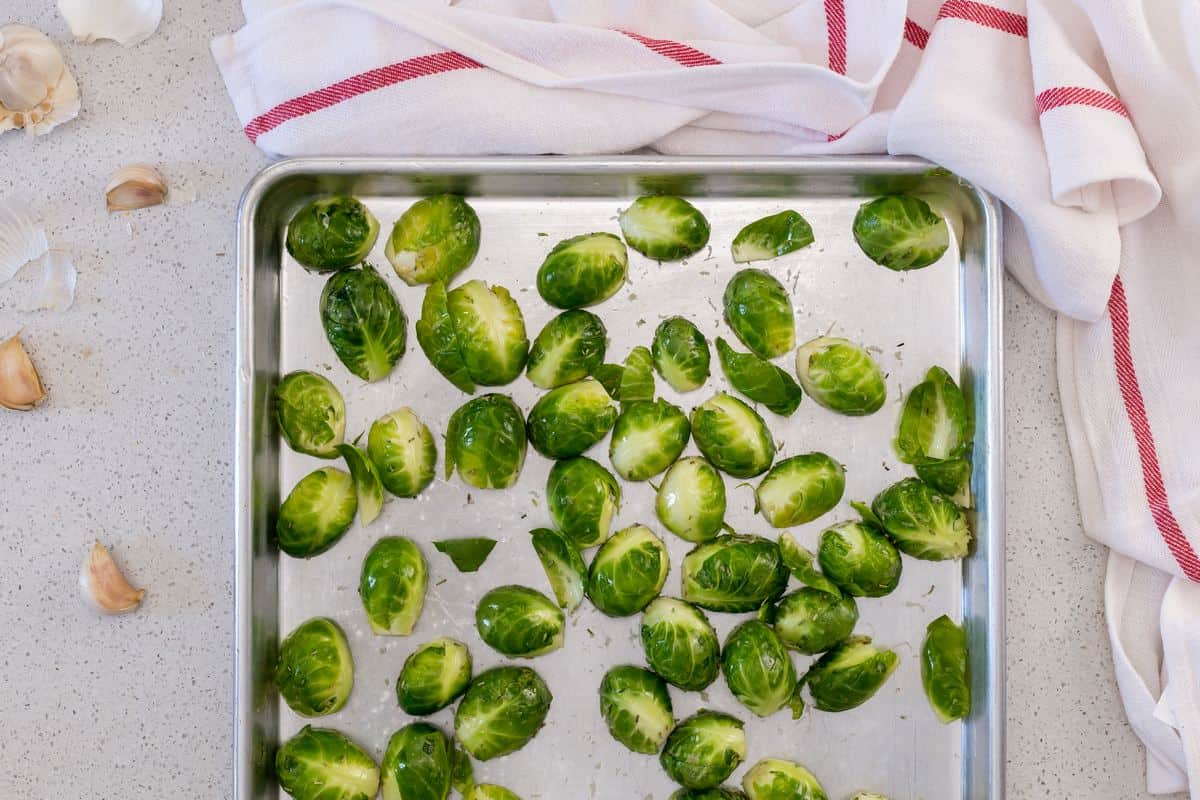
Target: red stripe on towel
(915, 35)
(1079, 96)
(676, 51)
(983, 14)
(835, 34)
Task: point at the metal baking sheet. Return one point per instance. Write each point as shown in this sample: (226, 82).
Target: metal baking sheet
(948, 314)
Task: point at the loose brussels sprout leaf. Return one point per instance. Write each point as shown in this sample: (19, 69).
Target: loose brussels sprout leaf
(417, 764)
(502, 710)
(583, 498)
(332, 233)
(799, 560)
(366, 482)
(568, 349)
(733, 436)
(849, 674)
(563, 565)
(859, 559)
(321, 763)
(811, 621)
(772, 236)
(758, 669)
(760, 380)
(485, 440)
(490, 791)
(776, 779)
(800, 489)
(317, 513)
(311, 414)
(434, 240)
(734, 573)
(490, 331)
(610, 377)
(759, 311)
(462, 773)
(900, 232)
(664, 228)
(922, 522)
(628, 571)
(681, 354)
(636, 706)
(568, 420)
(647, 438)
(519, 621)
(468, 553)
(439, 339)
(314, 671)
(392, 585)
(680, 644)
(933, 424)
(946, 670)
(583, 270)
(433, 676)
(840, 376)
(363, 322)
(691, 500)
(951, 477)
(637, 378)
(718, 793)
(704, 750)
(403, 452)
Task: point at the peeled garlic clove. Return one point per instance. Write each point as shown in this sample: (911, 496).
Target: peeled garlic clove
(135, 186)
(22, 239)
(37, 91)
(103, 585)
(127, 22)
(20, 385)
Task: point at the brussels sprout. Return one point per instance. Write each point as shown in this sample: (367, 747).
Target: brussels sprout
(467, 553)
(367, 485)
(734, 573)
(462, 773)
(502, 710)
(859, 558)
(363, 322)
(647, 438)
(800, 489)
(317, 513)
(951, 477)
(485, 440)
(439, 339)
(392, 585)
(583, 498)
(519, 621)
(583, 270)
(332, 233)
(922, 522)
(759, 311)
(403, 452)
(568, 420)
(637, 378)
(946, 670)
(322, 764)
(610, 377)
(563, 565)
(490, 791)
(812, 621)
(434, 240)
(718, 793)
(776, 779)
(704, 750)
(490, 330)
(568, 349)
(628, 571)
(311, 414)
(733, 436)
(933, 424)
(433, 676)
(868, 796)
(760, 380)
(849, 674)
(772, 236)
(636, 706)
(417, 764)
(799, 560)
(314, 670)
(900, 232)
(840, 376)
(680, 644)
(758, 669)
(664, 228)
(681, 354)
(691, 500)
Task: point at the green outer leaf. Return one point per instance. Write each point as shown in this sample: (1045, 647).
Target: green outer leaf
(468, 553)
(392, 585)
(933, 424)
(433, 676)
(680, 644)
(519, 621)
(849, 674)
(317, 761)
(772, 236)
(363, 322)
(317, 513)
(636, 707)
(403, 451)
(704, 749)
(734, 573)
(841, 376)
(435, 239)
(859, 558)
(439, 340)
(563, 565)
(759, 311)
(331, 233)
(583, 270)
(502, 711)
(485, 441)
(946, 670)
(490, 791)
(366, 482)
(800, 489)
(310, 412)
(568, 420)
(760, 380)
(811, 621)
(416, 765)
(628, 571)
(567, 349)
(951, 477)
(610, 377)
(637, 379)
(490, 330)
(663, 227)
(681, 354)
(776, 779)
(922, 522)
(732, 436)
(647, 438)
(900, 232)
(583, 498)
(462, 773)
(314, 670)
(799, 560)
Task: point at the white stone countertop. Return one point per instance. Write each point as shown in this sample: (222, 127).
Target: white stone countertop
(135, 446)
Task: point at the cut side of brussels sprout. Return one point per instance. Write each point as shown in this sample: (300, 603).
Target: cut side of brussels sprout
(583, 498)
(840, 376)
(311, 414)
(320, 763)
(403, 451)
(563, 565)
(433, 676)
(704, 750)
(922, 522)
(467, 553)
(900, 232)
(636, 707)
(490, 791)
(663, 227)
(392, 585)
(485, 441)
(776, 779)
(417, 764)
(363, 322)
(681, 354)
(734, 573)
(946, 670)
(314, 670)
(758, 669)
(933, 424)
(583, 270)
(439, 339)
(800, 561)
(800, 489)
(691, 500)
(849, 674)
(568, 420)
(317, 513)
(680, 644)
(519, 621)
(568, 349)
(771, 237)
(629, 571)
(733, 436)
(490, 331)
(434, 240)
(647, 438)
(812, 621)
(366, 482)
(859, 559)
(501, 712)
(332, 233)
(759, 311)
(760, 380)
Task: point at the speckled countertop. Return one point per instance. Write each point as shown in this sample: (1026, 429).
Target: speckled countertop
(135, 446)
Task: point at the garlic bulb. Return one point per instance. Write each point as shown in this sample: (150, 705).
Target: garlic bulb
(135, 186)
(127, 22)
(22, 239)
(103, 585)
(37, 91)
(20, 385)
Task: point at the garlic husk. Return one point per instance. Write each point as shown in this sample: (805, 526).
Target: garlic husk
(22, 239)
(104, 586)
(56, 287)
(20, 385)
(135, 186)
(37, 91)
(127, 22)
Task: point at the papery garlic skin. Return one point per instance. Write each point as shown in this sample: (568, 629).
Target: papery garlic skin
(127, 22)
(133, 187)
(37, 91)
(20, 385)
(104, 586)
(22, 238)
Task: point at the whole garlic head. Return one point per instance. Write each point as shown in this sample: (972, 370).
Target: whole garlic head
(37, 91)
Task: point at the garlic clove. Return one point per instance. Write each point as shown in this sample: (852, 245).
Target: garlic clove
(104, 586)
(20, 385)
(135, 186)
(126, 22)
(37, 91)
(22, 239)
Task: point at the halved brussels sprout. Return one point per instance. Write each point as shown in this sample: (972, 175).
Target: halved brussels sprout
(951, 477)
(583, 270)
(434, 240)
(900, 232)
(501, 712)
(849, 674)
(717, 793)
(519, 621)
(800, 489)
(403, 451)
(647, 438)
(772, 236)
(946, 670)
(367, 485)
(485, 441)
(922, 522)
(759, 311)
(758, 669)
(433, 676)
(628, 571)
(704, 750)
(439, 339)
(691, 500)
(776, 779)
(417, 764)
(636, 707)
(332, 233)
(800, 561)
(563, 565)
(583, 498)
(734, 573)
(568, 420)
(680, 644)
(681, 354)
(490, 791)
(859, 559)
(568, 349)
(314, 670)
(490, 331)
(321, 763)
(840, 376)
(664, 228)
(317, 513)
(364, 323)
(392, 585)
(933, 424)
(760, 380)
(733, 436)
(812, 621)
(311, 413)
